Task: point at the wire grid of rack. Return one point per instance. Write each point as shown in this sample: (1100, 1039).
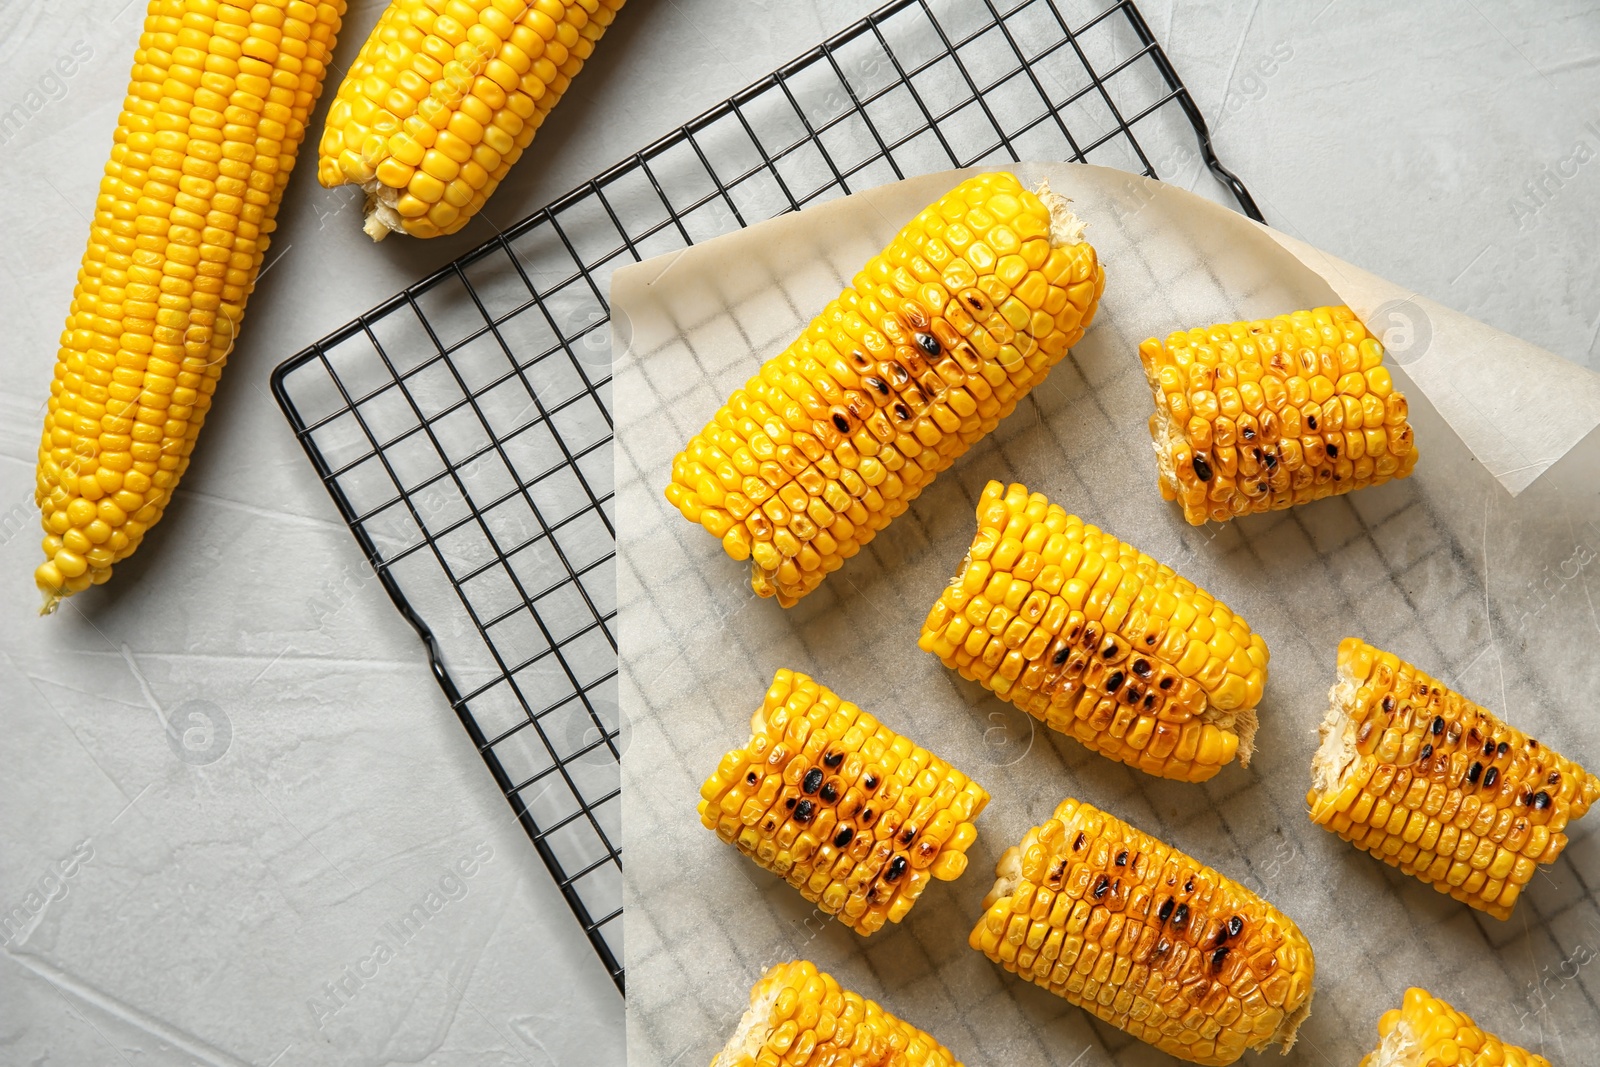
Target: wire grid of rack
(463, 428)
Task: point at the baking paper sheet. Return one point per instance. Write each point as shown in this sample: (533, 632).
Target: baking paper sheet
(1490, 591)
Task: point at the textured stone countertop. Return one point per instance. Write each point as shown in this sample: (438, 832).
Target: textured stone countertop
(224, 908)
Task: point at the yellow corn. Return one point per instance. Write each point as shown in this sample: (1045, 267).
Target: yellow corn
(1431, 783)
(1098, 640)
(929, 348)
(216, 107)
(1426, 1032)
(443, 99)
(1257, 416)
(799, 1016)
(1124, 926)
(852, 814)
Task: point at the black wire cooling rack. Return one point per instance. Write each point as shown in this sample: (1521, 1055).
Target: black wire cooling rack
(463, 427)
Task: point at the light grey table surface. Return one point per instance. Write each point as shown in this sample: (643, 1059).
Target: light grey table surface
(228, 911)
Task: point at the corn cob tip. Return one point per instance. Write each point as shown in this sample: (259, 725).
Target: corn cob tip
(381, 217)
(1065, 227)
(52, 601)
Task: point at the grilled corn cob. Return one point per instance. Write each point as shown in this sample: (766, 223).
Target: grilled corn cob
(1427, 1032)
(216, 107)
(851, 813)
(1131, 929)
(1098, 640)
(799, 1016)
(443, 99)
(1429, 782)
(929, 348)
(1257, 416)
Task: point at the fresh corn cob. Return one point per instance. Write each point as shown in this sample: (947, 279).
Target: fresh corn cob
(1098, 640)
(851, 813)
(934, 342)
(443, 99)
(1429, 782)
(1124, 926)
(1258, 416)
(800, 1016)
(1427, 1032)
(216, 107)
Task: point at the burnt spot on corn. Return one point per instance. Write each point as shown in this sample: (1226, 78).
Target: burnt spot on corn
(1163, 946)
(1473, 772)
(1490, 777)
(833, 759)
(1438, 726)
(928, 343)
(1427, 753)
(1122, 858)
(1541, 800)
(752, 778)
(1102, 886)
(1501, 749)
(1202, 469)
(1166, 909)
(790, 803)
(877, 383)
(804, 811)
(870, 782)
(1235, 925)
(897, 867)
(1166, 683)
(843, 837)
(858, 357)
(1311, 421)
(908, 834)
(1271, 460)
(812, 781)
(1452, 734)
(1141, 667)
(1180, 917)
(1077, 844)
(830, 792)
(1057, 873)
(1554, 779)
(902, 412)
(1149, 701)
(1218, 958)
(1488, 747)
(1333, 451)
(1114, 681)
(1188, 886)
(1249, 434)
(1109, 649)
(1388, 704)
(867, 815)
(1061, 657)
(841, 422)
(1364, 733)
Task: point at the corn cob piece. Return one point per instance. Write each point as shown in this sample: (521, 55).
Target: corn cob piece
(1431, 783)
(217, 104)
(933, 343)
(1426, 1032)
(799, 1015)
(1258, 416)
(1130, 929)
(1099, 641)
(852, 814)
(443, 99)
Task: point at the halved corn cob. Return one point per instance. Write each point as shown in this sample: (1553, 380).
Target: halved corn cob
(1257, 416)
(1098, 640)
(852, 814)
(799, 1015)
(444, 97)
(1129, 928)
(216, 107)
(933, 343)
(1431, 783)
(1427, 1032)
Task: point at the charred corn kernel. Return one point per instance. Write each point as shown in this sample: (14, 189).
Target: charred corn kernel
(1258, 416)
(216, 108)
(914, 362)
(1111, 647)
(1431, 783)
(799, 1015)
(852, 814)
(1149, 940)
(1426, 1032)
(443, 99)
